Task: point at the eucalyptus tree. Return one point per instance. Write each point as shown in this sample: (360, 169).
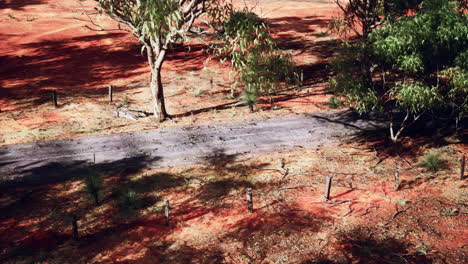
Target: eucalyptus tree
(157, 24)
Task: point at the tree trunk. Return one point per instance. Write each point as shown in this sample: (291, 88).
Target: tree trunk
(156, 86)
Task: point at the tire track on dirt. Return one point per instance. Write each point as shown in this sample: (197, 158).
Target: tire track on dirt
(49, 161)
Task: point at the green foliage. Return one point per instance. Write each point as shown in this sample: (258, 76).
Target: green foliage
(449, 211)
(360, 17)
(351, 80)
(334, 102)
(402, 202)
(153, 21)
(411, 64)
(258, 63)
(416, 97)
(418, 44)
(250, 98)
(93, 185)
(432, 161)
(129, 201)
(157, 24)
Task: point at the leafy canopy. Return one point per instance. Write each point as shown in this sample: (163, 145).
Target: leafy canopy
(418, 63)
(155, 22)
(411, 64)
(259, 64)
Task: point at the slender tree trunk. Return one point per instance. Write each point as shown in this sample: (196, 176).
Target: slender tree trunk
(156, 86)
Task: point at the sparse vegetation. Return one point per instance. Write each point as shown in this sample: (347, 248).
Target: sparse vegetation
(334, 102)
(129, 201)
(432, 161)
(249, 97)
(238, 190)
(260, 66)
(408, 66)
(157, 25)
(93, 185)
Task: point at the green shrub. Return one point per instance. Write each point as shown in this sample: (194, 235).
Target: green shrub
(334, 102)
(250, 98)
(129, 201)
(93, 185)
(261, 68)
(432, 161)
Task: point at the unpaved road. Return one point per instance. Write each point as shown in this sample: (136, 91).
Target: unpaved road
(52, 161)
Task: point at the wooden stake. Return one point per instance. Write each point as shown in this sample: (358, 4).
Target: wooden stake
(110, 93)
(328, 187)
(302, 77)
(166, 212)
(94, 158)
(211, 83)
(54, 98)
(397, 177)
(249, 200)
(75, 226)
(462, 167)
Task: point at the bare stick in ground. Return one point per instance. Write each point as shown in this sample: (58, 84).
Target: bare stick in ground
(328, 188)
(302, 77)
(249, 200)
(397, 177)
(396, 214)
(75, 226)
(54, 98)
(110, 93)
(166, 213)
(462, 168)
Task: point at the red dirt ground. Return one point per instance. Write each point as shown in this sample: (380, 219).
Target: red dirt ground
(423, 222)
(44, 47)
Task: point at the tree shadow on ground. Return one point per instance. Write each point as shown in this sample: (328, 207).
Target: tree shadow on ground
(156, 182)
(63, 170)
(298, 24)
(19, 4)
(68, 66)
(263, 233)
(186, 58)
(44, 211)
(352, 119)
(230, 175)
(214, 190)
(361, 245)
(220, 107)
(426, 133)
(314, 73)
(185, 254)
(322, 49)
(38, 180)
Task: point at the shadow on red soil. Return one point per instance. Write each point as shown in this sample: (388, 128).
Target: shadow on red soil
(20, 4)
(68, 67)
(80, 67)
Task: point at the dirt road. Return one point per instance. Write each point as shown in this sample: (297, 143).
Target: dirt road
(51, 161)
